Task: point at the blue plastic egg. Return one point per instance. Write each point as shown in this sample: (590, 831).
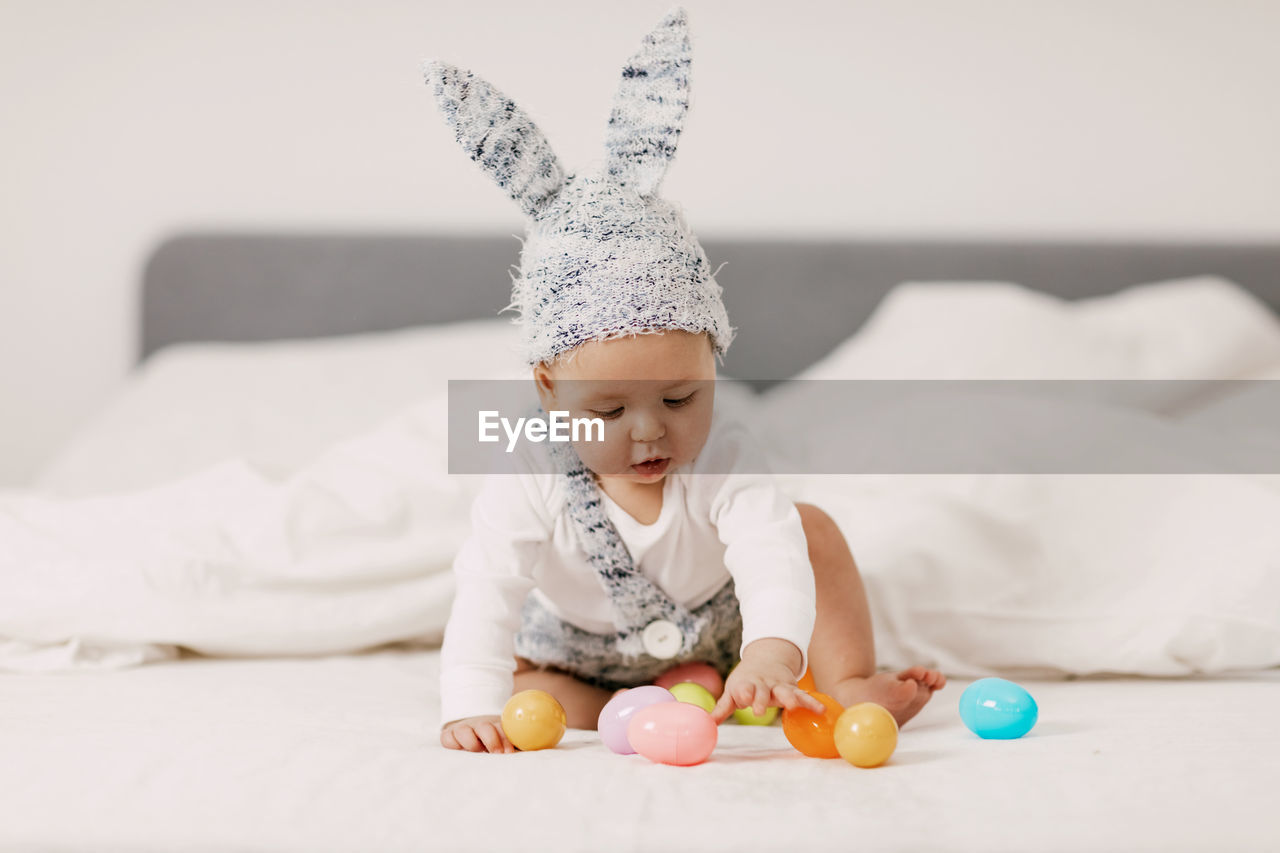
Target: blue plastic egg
(996, 709)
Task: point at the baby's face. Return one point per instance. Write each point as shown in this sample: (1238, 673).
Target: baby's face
(654, 393)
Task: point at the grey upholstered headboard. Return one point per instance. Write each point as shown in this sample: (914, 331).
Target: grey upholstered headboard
(791, 301)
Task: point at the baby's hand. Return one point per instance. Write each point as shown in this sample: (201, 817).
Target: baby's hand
(760, 684)
(476, 734)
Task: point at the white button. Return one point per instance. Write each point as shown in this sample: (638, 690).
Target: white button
(662, 639)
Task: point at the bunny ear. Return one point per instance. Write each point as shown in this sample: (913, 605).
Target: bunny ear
(497, 135)
(650, 106)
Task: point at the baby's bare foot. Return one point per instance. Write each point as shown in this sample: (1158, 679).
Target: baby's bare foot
(902, 694)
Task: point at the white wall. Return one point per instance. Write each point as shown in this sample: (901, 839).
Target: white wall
(126, 121)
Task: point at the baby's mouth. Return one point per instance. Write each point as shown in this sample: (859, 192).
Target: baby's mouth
(653, 468)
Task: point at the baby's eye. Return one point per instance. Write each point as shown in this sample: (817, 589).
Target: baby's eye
(609, 415)
(675, 404)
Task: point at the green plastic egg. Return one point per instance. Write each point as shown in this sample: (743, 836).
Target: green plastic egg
(747, 717)
(694, 694)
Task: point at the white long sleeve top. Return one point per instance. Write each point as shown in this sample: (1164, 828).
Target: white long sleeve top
(718, 520)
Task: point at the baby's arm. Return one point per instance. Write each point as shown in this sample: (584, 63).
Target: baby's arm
(767, 554)
(766, 676)
(494, 575)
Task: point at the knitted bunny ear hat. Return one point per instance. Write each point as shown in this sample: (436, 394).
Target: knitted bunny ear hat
(605, 256)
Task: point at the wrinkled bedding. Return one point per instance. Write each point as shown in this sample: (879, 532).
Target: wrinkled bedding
(350, 546)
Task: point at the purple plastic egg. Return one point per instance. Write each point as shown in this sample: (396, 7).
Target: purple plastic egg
(616, 714)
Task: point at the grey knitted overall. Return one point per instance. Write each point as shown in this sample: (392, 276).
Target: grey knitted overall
(711, 632)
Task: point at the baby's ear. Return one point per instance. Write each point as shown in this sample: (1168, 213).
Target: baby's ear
(649, 107)
(498, 135)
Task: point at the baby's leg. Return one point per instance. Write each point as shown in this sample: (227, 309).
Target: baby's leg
(842, 655)
(582, 702)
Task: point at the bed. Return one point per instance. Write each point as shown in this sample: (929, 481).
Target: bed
(339, 753)
(169, 686)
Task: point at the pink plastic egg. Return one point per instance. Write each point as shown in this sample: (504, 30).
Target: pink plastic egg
(697, 672)
(673, 733)
(616, 714)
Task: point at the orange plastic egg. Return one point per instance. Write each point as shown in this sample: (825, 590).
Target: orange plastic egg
(812, 733)
(806, 682)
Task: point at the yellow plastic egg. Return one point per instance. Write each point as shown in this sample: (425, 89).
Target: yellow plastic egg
(533, 719)
(866, 734)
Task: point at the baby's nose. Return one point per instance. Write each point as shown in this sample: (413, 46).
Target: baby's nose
(646, 428)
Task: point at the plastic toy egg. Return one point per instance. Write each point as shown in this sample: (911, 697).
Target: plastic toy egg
(866, 734)
(996, 709)
(748, 717)
(694, 694)
(616, 715)
(673, 733)
(810, 732)
(533, 719)
(697, 672)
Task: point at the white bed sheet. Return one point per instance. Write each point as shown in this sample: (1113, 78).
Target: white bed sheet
(340, 753)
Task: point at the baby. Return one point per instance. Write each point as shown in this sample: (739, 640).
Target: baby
(602, 564)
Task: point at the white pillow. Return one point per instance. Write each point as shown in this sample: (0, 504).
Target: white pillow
(275, 405)
(1192, 329)
(1195, 328)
